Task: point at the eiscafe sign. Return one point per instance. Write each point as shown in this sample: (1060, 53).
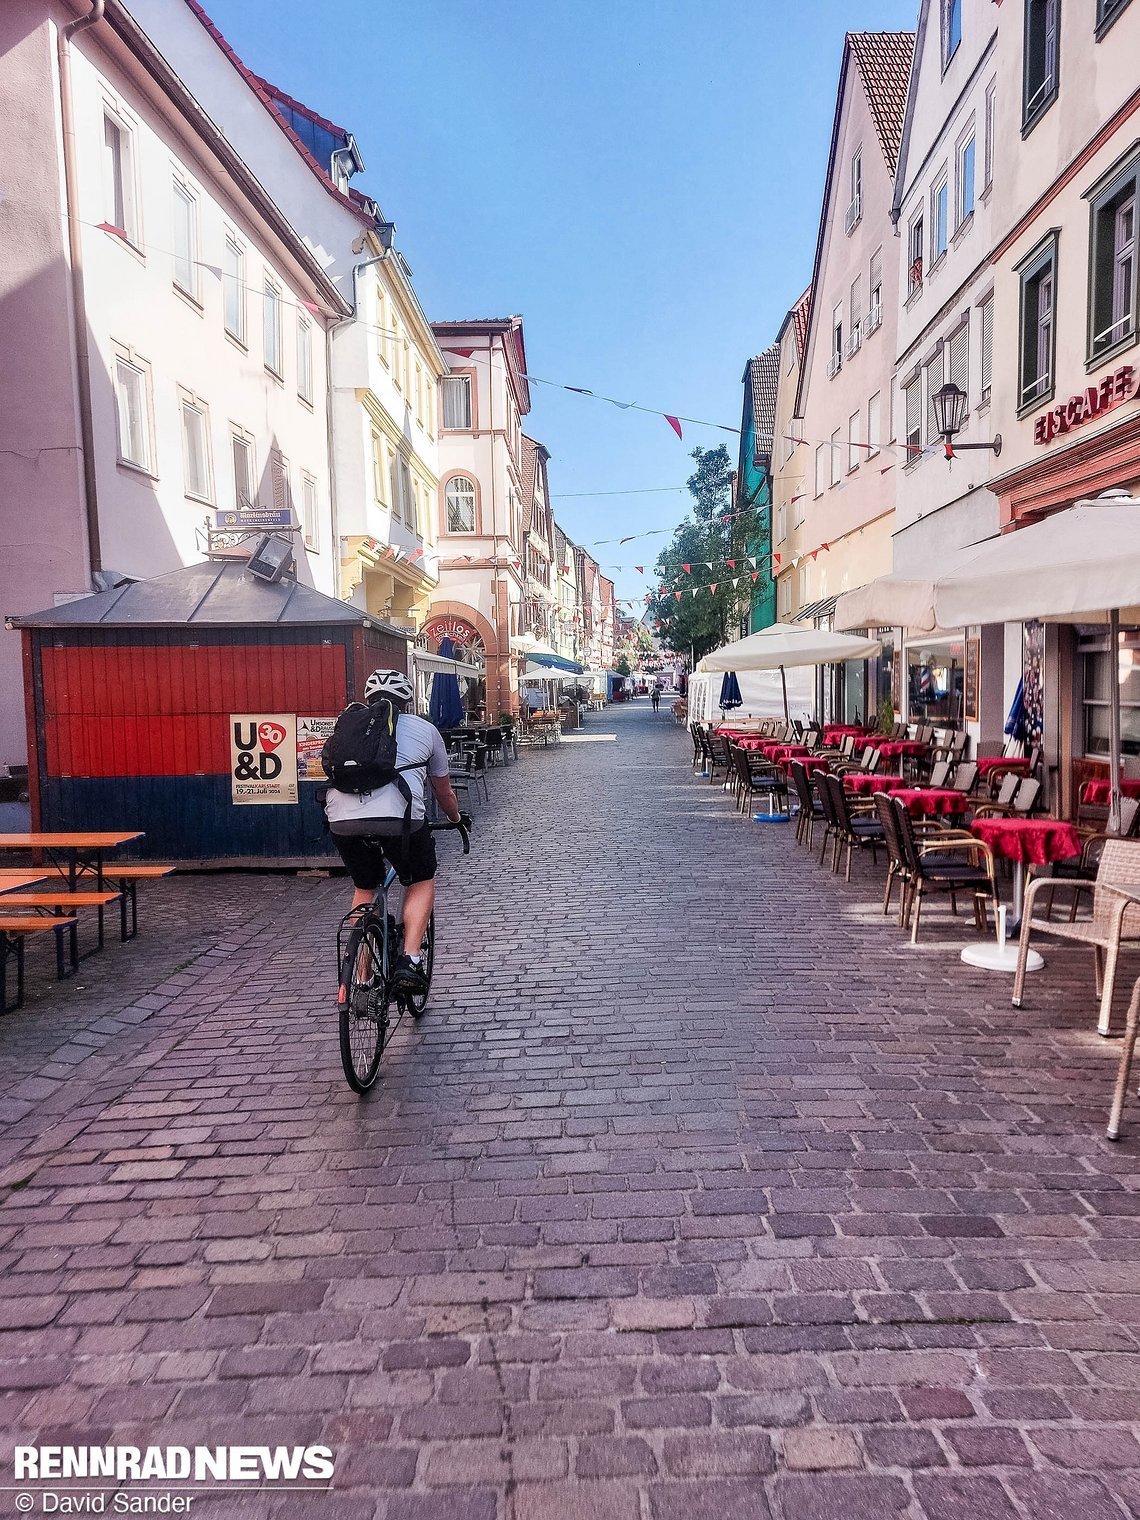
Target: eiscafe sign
(1089, 404)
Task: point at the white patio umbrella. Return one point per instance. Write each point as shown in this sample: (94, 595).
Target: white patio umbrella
(787, 645)
(1081, 565)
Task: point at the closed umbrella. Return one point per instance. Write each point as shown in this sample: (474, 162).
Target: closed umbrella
(789, 644)
(1015, 720)
(1081, 565)
(730, 691)
(445, 705)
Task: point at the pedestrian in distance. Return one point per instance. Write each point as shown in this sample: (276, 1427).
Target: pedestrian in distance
(655, 698)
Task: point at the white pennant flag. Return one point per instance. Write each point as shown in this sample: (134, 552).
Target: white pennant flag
(735, 582)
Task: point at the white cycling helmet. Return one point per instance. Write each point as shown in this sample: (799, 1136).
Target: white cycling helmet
(388, 683)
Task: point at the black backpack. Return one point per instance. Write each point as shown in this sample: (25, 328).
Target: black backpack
(360, 754)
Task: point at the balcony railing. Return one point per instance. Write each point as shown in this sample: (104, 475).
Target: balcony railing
(854, 215)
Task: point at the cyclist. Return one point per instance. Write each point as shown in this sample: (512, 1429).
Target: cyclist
(369, 829)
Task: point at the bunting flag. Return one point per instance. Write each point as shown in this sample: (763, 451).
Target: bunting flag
(674, 424)
(755, 574)
(678, 595)
(688, 569)
(674, 420)
(640, 569)
(463, 353)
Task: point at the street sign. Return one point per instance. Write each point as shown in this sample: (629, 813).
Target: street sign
(270, 517)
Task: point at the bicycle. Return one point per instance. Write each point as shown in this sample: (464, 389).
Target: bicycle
(368, 943)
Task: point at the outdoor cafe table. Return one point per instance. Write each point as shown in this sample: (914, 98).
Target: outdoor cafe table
(1099, 793)
(1019, 764)
(902, 749)
(865, 783)
(79, 853)
(1025, 841)
(810, 763)
(834, 732)
(931, 801)
(15, 881)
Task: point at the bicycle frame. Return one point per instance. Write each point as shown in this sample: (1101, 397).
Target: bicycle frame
(378, 909)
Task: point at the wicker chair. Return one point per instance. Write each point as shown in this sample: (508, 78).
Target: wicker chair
(933, 865)
(1125, 1067)
(897, 867)
(810, 806)
(1114, 925)
(1026, 795)
(940, 773)
(965, 776)
(851, 829)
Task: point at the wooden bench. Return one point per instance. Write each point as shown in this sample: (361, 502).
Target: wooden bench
(14, 929)
(123, 879)
(61, 902)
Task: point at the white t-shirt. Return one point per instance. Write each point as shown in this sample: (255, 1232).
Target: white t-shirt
(416, 739)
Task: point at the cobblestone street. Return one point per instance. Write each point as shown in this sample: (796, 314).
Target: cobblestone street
(697, 1194)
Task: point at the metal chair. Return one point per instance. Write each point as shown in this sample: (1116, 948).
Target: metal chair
(933, 865)
(810, 806)
(852, 830)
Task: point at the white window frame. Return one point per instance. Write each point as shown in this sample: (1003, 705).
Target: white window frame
(855, 450)
(933, 379)
(310, 512)
(464, 382)
(271, 313)
(233, 283)
(912, 419)
(781, 523)
(304, 358)
(820, 470)
(132, 371)
(916, 252)
(242, 439)
(121, 203)
(381, 485)
(958, 361)
(939, 218)
(836, 456)
(462, 496)
(986, 360)
(185, 260)
(874, 424)
(991, 117)
(967, 144)
(191, 405)
(948, 52)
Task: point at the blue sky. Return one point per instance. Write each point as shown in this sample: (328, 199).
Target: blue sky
(640, 179)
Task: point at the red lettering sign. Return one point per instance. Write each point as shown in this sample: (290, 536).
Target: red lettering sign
(1093, 402)
(452, 628)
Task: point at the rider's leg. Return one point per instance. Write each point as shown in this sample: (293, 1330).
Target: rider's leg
(363, 897)
(419, 899)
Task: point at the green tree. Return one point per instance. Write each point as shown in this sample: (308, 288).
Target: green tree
(621, 665)
(713, 533)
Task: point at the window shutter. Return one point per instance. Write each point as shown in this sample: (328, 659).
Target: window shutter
(960, 359)
(279, 477)
(987, 347)
(913, 415)
(935, 374)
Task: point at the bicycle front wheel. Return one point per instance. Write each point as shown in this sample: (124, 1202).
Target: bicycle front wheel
(364, 1006)
(427, 959)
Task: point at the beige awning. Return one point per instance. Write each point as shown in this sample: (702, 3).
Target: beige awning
(788, 645)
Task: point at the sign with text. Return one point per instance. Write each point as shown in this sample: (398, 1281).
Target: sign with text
(452, 628)
(263, 758)
(268, 517)
(1091, 403)
(311, 736)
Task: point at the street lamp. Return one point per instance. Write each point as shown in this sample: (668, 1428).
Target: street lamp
(949, 405)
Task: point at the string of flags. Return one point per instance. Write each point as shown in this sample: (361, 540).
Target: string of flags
(674, 419)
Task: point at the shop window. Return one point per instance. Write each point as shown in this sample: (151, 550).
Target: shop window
(935, 682)
(1041, 66)
(1112, 269)
(1098, 667)
(1038, 328)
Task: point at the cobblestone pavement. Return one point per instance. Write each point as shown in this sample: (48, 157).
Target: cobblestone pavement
(697, 1192)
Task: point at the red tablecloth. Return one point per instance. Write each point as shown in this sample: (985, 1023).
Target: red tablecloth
(932, 801)
(891, 749)
(811, 763)
(1008, 762)
(783, 752)
(1099, 793)
(833, 732)
(864, 785)
(1033, 841)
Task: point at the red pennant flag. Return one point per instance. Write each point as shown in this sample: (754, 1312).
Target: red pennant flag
(814, 552)
(640, 569)
(674, 424)
(464, 353)
(775, 559)
(688, 569)
(120, 232)
(825, 546)
(713, 587)
(755, 573)
(677, 594)
(731, 562)
(885, 468)
(312, 306)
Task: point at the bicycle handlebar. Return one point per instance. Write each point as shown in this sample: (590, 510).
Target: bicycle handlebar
(459, 828)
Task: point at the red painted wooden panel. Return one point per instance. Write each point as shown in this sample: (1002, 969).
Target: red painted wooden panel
(183, 745)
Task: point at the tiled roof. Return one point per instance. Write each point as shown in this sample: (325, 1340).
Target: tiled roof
(884, 66)
(764, 377)
(258, 86)
(529, 461)
(801, 314)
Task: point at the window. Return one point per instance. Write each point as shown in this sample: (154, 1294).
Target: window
(279, 482)
(379, 470)
(874, 425)
(419, 393)
(1112, 265)
(781, 524)
(820, 468)
(965, 207)
(854, 442)
(196, 448)
(939, 220)
(836, 339)
(991, 106)
(429, 404)
(185, 241)
(1038, 289)
(304, 359)
(407, 370)
(1042, 34)
(803, 585)
(1106, 13)
(411, 497)
(132, 398)
(1100, 664)
(951, 29)
(875, 296)
(456, 390)
(233, 290)
(785, 595)
(855, 209)
(913, 395)
(836, 456)
(383, 322)
(987, 364)
(245, 477)
(310, 527)
(120, 203)
(272, 317)
(856, 301)
(935, 376)
(960, 360)
(915, 242)
(396, 352)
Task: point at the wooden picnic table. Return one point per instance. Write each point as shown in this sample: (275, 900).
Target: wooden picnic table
(82, 852)
(13, 881)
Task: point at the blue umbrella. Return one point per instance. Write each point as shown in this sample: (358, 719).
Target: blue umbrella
(730, 691)
(445, 705)
(1015, 723)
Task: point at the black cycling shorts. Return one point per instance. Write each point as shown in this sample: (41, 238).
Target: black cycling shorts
(367, 857)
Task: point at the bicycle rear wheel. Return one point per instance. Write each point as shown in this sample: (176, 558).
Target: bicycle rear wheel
(427, 959)
(364, 1006)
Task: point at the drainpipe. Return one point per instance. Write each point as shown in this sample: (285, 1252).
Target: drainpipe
(79, 301)
(333, 328)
